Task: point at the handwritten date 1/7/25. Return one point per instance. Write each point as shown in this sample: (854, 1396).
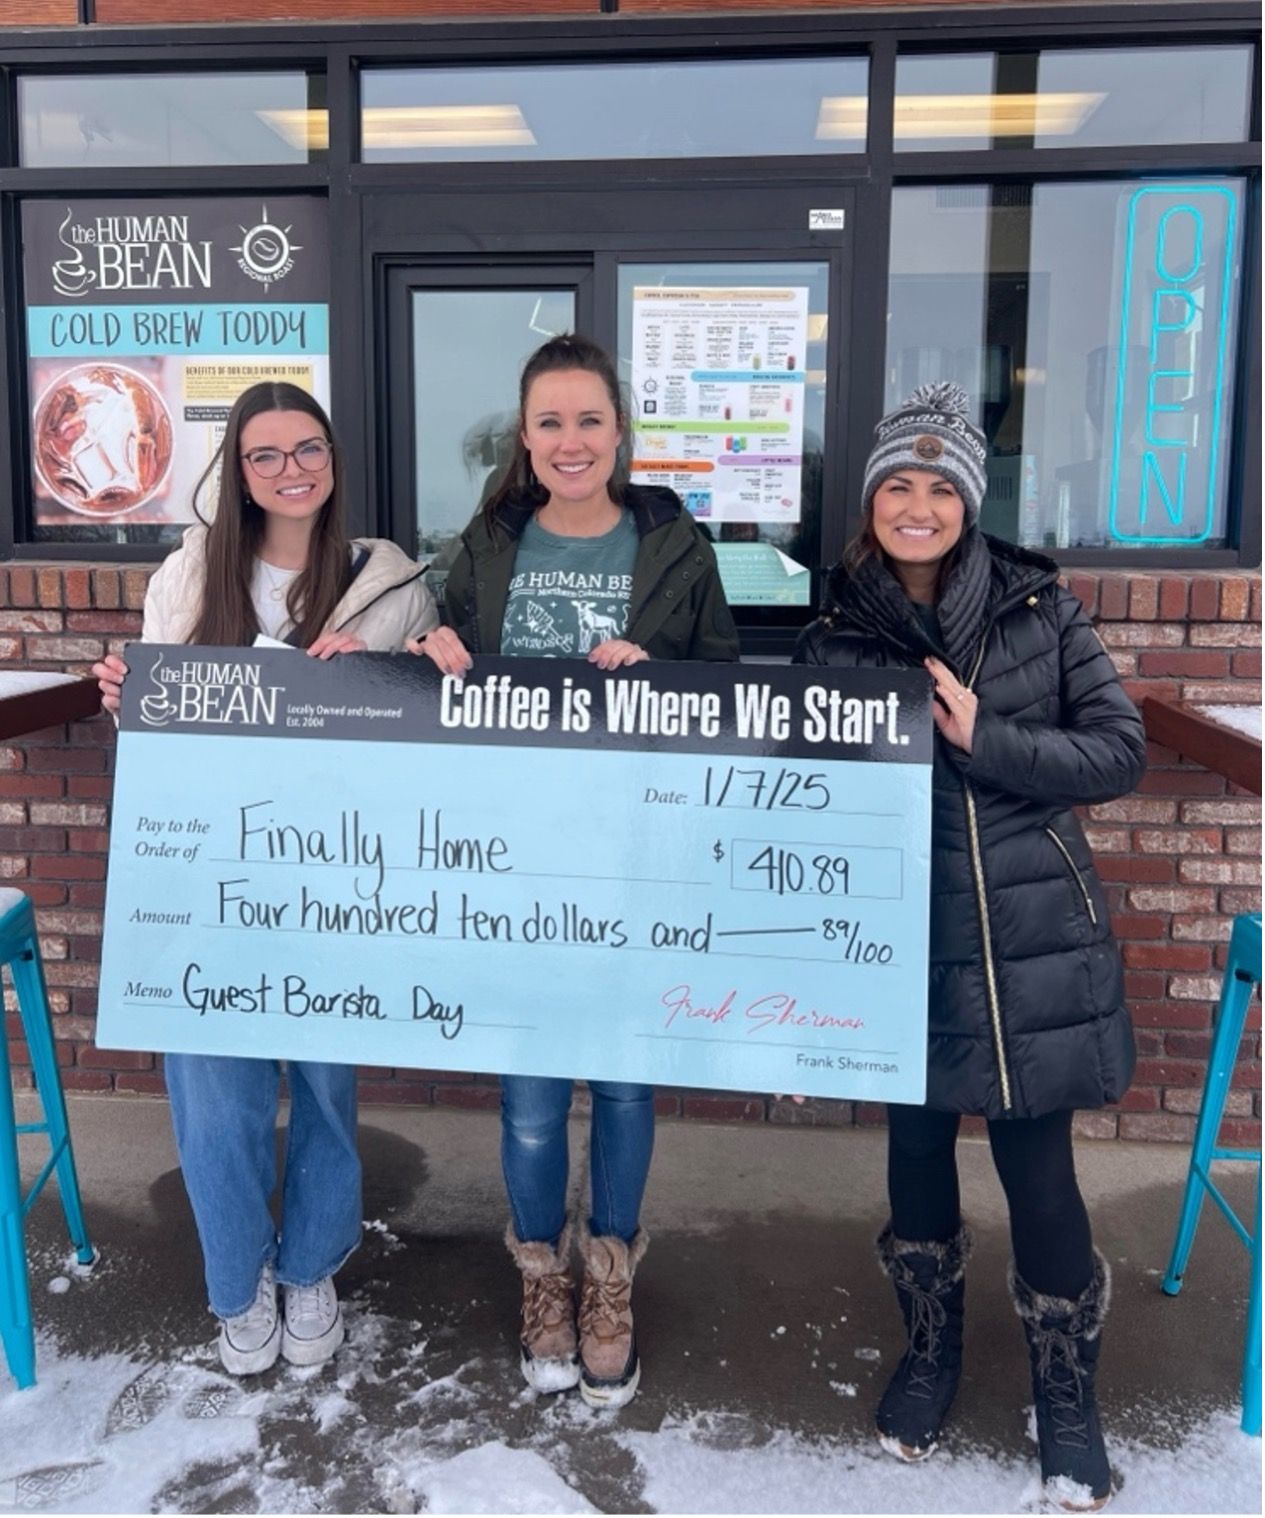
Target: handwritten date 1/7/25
(765, 790)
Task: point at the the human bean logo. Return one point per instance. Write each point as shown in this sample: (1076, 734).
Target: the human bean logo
(266, 252)
(125, 251)
(205, 691)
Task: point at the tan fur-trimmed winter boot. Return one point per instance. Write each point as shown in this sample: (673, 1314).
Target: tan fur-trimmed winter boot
(609, 1367)
(549, 1348)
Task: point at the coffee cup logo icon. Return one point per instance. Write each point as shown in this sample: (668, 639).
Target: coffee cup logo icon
(156, 709)
(71, 275)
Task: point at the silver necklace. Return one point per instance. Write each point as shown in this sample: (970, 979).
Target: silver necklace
(276, 581)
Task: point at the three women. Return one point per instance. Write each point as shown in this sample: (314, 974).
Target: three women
(1027, 1020)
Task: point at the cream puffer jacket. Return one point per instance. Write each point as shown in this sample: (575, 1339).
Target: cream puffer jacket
(386, 603)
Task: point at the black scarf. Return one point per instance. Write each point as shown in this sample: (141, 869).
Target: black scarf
(873, 600)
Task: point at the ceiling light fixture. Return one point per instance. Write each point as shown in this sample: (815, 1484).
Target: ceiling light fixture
(1052, 114)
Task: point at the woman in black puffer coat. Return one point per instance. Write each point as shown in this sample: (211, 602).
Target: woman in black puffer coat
(1026, 999)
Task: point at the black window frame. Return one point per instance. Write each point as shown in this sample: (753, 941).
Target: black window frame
(340, 51)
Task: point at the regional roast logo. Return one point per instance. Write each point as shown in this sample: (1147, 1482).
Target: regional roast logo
(205, 691)
(267, 254)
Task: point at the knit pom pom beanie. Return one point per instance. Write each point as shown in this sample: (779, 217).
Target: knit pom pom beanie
(931, 431)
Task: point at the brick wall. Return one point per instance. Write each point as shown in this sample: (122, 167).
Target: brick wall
(39, 12)
(169, 13)
(1179, 859)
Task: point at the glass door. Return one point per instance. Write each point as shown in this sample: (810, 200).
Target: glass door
(464, 335)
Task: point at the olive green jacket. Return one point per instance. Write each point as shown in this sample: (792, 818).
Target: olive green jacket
(677, 609)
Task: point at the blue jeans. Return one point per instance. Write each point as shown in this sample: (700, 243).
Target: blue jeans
(224, 1112)
(535, 1161)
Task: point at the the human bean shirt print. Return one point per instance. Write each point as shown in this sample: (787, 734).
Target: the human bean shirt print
(567, 595)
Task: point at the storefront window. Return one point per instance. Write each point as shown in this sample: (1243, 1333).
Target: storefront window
(1093, 325)
(725, 365)
(80, 121)
(728, 108)
(1065, 98)
(469, 347)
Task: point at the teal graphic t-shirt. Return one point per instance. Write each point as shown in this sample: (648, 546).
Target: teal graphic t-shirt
(567, 595)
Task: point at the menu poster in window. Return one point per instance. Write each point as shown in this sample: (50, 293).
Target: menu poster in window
(145, 320)
(718, 398)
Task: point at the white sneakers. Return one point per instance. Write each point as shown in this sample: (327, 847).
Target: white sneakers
(251, 1342)
(313, 1327)
(311, 1331)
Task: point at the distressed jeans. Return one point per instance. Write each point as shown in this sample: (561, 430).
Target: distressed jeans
(535, 1159)
(224, 1111)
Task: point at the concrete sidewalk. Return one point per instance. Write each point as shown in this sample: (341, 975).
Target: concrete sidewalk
(759, 1296)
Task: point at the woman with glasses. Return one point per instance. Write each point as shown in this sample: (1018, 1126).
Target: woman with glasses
(274, 560)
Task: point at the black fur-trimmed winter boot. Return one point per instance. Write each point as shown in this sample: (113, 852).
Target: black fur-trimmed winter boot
(930, 1281)
(1064, 1337)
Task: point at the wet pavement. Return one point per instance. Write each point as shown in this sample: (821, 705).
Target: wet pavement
(759, 1301)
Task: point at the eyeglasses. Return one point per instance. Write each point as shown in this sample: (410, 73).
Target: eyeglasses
(268, 463)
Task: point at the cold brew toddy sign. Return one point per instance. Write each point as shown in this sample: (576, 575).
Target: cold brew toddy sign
(690, 875)
(145, 321)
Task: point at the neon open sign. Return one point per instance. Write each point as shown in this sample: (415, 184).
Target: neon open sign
(1171, 376)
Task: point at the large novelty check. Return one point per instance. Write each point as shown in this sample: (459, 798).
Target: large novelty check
(696, 875)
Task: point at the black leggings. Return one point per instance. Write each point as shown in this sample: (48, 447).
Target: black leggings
(1049, 1227)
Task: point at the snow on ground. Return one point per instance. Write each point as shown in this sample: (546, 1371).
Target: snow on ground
(492, 1478)
(1217, 1470)
(402, 1421)
(110, 1434)
(106, 1435)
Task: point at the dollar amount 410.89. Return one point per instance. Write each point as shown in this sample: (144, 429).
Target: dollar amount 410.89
(786, 873)
(807, 869)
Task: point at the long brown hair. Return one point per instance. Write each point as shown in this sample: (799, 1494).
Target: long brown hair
(559, 354)
(236, 531)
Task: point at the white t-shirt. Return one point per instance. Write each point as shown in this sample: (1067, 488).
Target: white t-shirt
(269, 587)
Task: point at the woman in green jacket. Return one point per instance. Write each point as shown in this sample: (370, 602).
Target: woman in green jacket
(567, 559)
